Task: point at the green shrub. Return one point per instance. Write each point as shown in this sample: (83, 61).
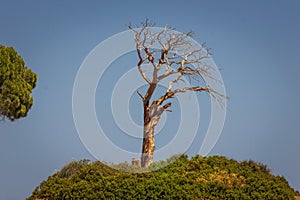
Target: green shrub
(213, 177)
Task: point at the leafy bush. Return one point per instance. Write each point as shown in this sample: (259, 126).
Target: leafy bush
(213, 177)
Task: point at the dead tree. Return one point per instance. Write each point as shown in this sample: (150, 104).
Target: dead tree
(169, 54)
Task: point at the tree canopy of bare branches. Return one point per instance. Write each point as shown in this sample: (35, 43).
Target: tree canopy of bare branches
(169, 54)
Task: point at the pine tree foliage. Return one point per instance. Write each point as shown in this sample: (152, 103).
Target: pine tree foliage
(16, 85)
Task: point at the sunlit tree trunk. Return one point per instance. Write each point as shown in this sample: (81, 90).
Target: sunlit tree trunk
(151, 118)
(148, 141)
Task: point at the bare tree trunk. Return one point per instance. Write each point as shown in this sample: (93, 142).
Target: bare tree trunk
(148, 146)
(151, 118)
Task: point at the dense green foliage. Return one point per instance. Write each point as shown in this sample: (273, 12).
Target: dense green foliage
(213, 177)
(16, 84)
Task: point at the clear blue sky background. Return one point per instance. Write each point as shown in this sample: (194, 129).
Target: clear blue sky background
(256, 43)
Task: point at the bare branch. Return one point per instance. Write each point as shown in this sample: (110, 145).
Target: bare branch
(140, 94)
(169, 104)
(171, 94)
(196, 89)
(168, 73)
(143, 74)
(142, 60)
(172, 82)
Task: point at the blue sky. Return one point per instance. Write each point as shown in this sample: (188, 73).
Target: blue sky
(255, 43)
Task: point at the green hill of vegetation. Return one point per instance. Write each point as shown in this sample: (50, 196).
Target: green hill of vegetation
(214, 177)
